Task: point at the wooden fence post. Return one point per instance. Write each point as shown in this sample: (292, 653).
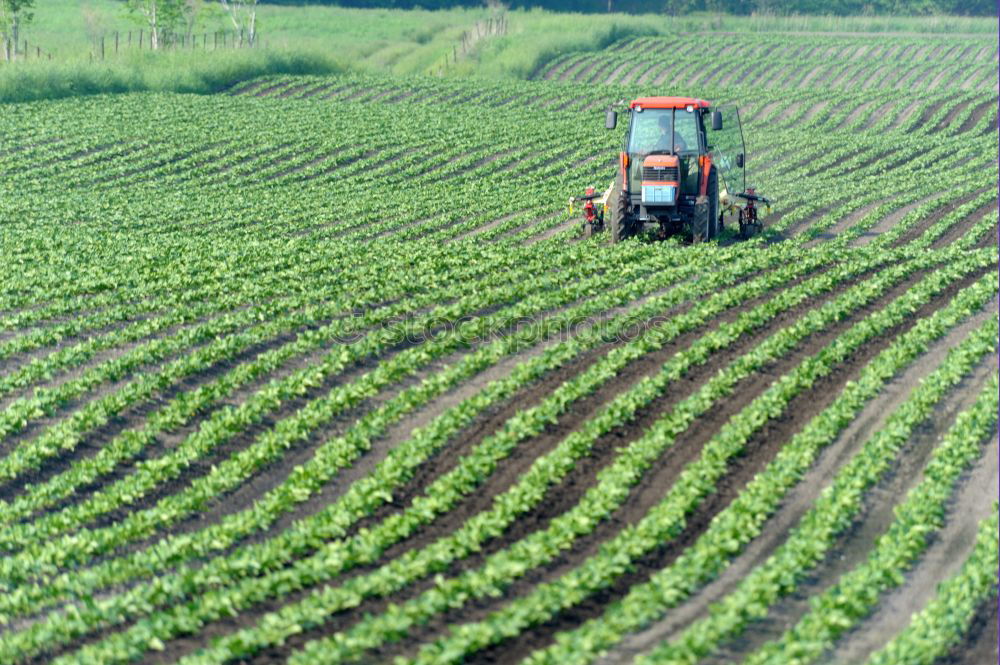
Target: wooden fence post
(140, 40)
(116, 42)
(102, 48)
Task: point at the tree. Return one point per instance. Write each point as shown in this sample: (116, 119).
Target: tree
(680, 7)
(13, 14)
(159, 15)
(243, 14)
(192, 11)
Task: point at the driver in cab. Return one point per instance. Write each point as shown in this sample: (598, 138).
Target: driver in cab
(663, 142)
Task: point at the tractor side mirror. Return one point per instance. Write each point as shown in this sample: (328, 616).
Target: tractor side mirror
(716, 121)
(611, 120)
(739, 160)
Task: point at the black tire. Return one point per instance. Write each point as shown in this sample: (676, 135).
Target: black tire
(700, 222)
(714, 226)
(619, 213)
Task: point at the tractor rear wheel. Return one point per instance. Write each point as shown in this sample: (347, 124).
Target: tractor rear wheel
(700, 220)
(714, 227)
(620, 212)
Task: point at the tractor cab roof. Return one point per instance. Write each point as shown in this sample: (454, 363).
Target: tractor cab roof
(668, 103)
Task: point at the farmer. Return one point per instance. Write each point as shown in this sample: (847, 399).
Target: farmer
(663, 143)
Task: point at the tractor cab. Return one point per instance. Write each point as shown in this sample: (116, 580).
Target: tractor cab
(679, 156)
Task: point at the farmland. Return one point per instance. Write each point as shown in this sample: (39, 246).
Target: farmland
(321, 370)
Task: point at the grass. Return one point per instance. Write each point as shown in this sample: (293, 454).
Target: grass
(324, 40)
(166, 72)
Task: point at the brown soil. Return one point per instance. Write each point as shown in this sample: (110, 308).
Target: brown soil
(950, 116)
(990, 238)
(848, 221)
(650, 491)
(890, 221)
(511, 468)
(759, 451)
(550, 71)
(291, 170)
(244, 88)
(534, 222)
(396, 435)
(905, 114)
(274, 473)
(977, 115)
(578, 72)
(487, 226)
(268, 90)
(856, 115)
(916, 230)
(568, 225)
(368, 154)
(616, 74)
(598, 73)
(852, 547)
(228, 165)
(980, 644)
(148, 171)
(630, 74)
(134, 417)
(963, 227)
(291, 90)
(651, 70)
(941, 77)
(799, 499)
(318, 90)
(944, 557)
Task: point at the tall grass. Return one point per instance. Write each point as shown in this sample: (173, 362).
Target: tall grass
(135, 72)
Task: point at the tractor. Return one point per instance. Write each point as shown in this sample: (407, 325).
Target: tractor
(675, 177)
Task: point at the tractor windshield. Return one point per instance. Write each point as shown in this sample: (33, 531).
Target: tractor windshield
(660, 130)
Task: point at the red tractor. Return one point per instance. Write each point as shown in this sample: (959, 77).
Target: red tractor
(681, 166)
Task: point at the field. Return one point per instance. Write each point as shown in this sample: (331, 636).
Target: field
(321, 370)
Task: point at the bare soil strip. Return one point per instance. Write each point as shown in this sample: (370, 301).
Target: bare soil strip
(848, 221)
(798, 501)
(510, 469)
(950, 116)
(614, 75)
(853, 546)
(760, 450)
(980, 644)
(950, 547)
(959, 229)
(916, 230)
(267, 91)
(890, 221)
(581, 72)
(977, 115)
(135, 417)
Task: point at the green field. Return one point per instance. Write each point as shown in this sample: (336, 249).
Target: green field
(321, 369)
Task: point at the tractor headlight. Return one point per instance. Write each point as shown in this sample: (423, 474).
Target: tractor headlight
(659, 194)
